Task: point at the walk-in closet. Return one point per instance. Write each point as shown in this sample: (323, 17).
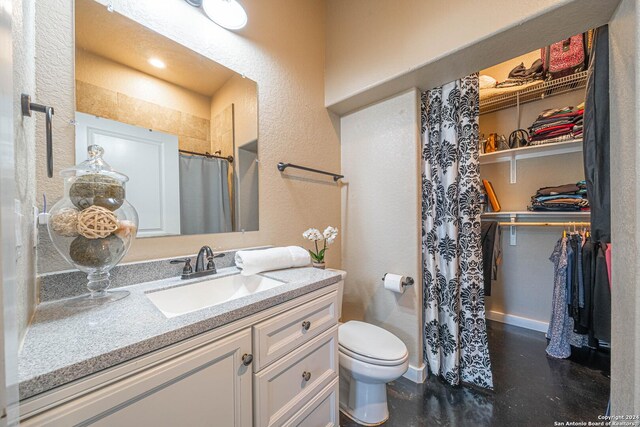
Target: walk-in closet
(545, 269)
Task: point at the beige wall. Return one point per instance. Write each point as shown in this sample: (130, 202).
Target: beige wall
(114, 91)
(286, 61)
(243, 94)
(381, 217)
(25, 141)
(375, 48)
(102, 72)
(55, 82)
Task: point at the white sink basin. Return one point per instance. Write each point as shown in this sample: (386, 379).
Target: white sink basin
(180, 300)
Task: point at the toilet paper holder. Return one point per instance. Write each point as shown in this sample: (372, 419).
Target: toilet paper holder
(408, 282)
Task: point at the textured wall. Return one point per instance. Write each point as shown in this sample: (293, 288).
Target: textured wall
(381, 217)
(24, 137)
(376, 49)
(54, 72)
(287, 63)
(624, 95)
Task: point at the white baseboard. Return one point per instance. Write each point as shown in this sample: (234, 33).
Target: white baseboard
(522, 322)
(417, 375)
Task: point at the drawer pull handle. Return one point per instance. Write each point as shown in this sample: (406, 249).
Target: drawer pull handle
(306, 325)
(306, 376)
(247, 359)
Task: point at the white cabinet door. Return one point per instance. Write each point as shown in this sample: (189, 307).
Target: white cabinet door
(150, 160)
(209, 386)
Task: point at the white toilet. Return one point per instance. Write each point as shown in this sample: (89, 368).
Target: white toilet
(369, 358)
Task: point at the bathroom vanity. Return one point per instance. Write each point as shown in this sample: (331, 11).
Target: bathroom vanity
(266, 358)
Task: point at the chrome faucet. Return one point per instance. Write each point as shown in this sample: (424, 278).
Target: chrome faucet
(205, 253)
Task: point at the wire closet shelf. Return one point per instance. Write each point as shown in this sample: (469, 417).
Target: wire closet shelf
(532, 93)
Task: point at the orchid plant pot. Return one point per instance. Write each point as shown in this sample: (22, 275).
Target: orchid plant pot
(320, 265)
(321, 242)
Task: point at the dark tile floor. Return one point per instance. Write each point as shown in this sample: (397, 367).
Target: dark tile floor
(530, 388)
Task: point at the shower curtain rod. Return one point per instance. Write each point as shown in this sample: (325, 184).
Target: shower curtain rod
(544, 224)
(210, 156)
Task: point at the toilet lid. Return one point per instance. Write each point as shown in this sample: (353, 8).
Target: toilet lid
(371, 341)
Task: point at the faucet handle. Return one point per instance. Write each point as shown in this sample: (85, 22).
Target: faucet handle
(211, 265)
(187, 269)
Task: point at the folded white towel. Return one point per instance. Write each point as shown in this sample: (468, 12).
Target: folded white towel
(254, 262)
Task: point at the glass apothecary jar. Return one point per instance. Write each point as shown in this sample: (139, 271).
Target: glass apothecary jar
(93, 225)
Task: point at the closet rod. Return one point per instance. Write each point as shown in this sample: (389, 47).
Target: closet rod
(209, 156)
(544, 224)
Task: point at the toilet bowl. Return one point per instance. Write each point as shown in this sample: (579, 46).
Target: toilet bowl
(369, 358)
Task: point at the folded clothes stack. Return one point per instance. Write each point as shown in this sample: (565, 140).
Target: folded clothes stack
(556, 125)
(521, 75)
(568, 197)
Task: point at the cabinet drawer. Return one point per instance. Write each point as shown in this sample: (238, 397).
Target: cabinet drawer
(281, 389)
(322, 411)
(278, 336)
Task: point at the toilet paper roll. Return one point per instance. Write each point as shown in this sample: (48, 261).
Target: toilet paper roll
(394, 282)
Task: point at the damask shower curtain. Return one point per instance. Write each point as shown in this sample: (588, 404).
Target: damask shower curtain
(455, 336)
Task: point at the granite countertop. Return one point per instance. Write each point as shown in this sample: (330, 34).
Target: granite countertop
(64, 343)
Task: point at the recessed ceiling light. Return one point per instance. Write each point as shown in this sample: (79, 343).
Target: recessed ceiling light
(228, 14)
(158, 63)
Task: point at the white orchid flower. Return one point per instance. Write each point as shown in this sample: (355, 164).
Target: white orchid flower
(312, 234)
(330, 233)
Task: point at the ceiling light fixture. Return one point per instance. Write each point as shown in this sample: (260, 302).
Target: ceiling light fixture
(228, 14)
(158, 63)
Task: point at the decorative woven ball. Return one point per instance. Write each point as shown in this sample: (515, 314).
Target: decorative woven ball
(65, 222)
(96, 222)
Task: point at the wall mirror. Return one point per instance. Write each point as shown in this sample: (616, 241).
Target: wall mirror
(182, 127)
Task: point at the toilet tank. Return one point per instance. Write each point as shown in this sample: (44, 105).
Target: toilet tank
(340, 289)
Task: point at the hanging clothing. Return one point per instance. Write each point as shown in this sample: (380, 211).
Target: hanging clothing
(560, 332)
(455, 336)
(588, 272)
(491, 253)
(596, 137)
(607, 257)
(205, 206)
(601, 299)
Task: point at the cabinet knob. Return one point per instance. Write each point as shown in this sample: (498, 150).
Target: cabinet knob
(306, 376)
(306, 325)
(247, 359)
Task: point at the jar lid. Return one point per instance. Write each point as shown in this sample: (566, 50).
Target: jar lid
(94, 164)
